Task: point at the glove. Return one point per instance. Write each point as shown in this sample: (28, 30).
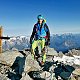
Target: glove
(47, 43)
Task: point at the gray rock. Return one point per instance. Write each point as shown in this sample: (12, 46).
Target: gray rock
(9, 57)
(14, 49)
(3, 77)
(51, 69)
(46, 75)
(31, 64)
(25, 64)
(49, 58)
(52, 52)
(76, 52)
(60, 54)
(69, 53)
(73, 52)
(76, 72)
(72, 77)
(25, 76)
(78, 78)
(53, 76)
(59, 78)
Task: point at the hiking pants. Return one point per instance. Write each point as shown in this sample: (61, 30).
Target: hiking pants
(35, 44)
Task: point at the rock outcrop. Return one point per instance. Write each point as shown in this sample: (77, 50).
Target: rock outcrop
(19, 65)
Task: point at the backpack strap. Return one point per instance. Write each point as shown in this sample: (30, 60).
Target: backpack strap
(47, 31)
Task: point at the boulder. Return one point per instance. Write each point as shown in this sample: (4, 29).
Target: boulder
(9, 57)
(51, 52)
(76, 72)
(31, 64)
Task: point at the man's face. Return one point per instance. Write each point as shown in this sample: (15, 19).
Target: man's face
(40, 21)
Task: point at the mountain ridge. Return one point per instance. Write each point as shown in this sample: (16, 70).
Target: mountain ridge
(60, 42)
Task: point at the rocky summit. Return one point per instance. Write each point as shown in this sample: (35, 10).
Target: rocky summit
(19, 65)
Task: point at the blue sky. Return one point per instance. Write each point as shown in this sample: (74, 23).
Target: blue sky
(19, 16)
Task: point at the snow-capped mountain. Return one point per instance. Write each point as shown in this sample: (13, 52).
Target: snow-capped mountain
(59, 42)
(19, 42)
(65, 42)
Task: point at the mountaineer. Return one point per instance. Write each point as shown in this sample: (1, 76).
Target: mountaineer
(40, 35)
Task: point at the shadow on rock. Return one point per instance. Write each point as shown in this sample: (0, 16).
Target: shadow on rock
(64, 71)
(47, 66)
(17, 68)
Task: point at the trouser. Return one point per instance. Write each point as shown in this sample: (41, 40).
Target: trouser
(42, 44)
